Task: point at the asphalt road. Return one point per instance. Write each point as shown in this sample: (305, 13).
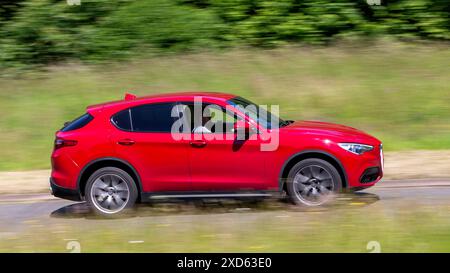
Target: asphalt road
(407, 215)
(18, 210)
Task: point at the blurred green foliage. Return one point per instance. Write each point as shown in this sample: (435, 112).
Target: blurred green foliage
(36, 32)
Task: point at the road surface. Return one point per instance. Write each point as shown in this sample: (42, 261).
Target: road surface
(21, 213)
(18, 209)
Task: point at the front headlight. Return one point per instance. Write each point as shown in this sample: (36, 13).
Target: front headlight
(356, 148)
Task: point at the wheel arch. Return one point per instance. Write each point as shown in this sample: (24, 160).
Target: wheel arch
(294, 159)
(96, 164)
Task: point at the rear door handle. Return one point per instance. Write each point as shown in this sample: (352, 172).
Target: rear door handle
(126, 142)
(198, 143)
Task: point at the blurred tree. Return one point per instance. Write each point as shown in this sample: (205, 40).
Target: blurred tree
(35, 32)
(44, 31)
(157, 24)
(8, 8)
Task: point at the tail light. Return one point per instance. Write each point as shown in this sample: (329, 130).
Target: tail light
(59, 143)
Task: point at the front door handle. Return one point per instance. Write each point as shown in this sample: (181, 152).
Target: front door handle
(126, 142)
(198, 143)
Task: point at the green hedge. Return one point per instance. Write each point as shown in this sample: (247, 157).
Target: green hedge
(36, 32)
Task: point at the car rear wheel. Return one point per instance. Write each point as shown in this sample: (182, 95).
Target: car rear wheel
(313, 182)
(110, 191)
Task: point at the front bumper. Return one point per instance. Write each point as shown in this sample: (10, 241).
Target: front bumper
(64, 193)
(364, 170)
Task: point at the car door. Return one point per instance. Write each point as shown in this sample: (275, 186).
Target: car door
(218, 161)
(144, 139)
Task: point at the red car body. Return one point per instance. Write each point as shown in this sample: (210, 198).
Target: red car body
(160, 164)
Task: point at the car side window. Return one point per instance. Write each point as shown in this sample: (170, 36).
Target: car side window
(122, 120)
(152, 118)
(211, 119)
(222, 120)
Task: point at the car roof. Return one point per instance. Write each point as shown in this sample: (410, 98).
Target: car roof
(133, 100)
(218, 95)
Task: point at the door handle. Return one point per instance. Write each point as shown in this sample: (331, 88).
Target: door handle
(198, 143)
(126, 142)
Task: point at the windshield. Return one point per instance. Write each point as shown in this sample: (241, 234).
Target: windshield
(259, 114)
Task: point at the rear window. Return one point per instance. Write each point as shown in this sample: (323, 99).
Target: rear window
(78, 123)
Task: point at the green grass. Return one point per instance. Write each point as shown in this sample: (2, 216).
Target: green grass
(397, 92)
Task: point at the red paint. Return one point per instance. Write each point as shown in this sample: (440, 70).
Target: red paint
(165, 164)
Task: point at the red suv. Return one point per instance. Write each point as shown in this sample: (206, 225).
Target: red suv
(175, 146)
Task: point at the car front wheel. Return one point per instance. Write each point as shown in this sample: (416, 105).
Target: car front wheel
(110, 191)
(313, 182)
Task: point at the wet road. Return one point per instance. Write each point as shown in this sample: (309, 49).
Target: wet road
(17, 210)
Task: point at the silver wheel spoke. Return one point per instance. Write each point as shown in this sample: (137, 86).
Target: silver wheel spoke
(306, 172)
(99, 191)
(109, 200)
(101, 184)
(315, 171)
(115, 181)
(300, 186)
(300, 178)
(121, 187)
(102, 197)
(328, 182)
(107, 180)
(324, 190)
(118, 200)
(122, 194)
(322, 175)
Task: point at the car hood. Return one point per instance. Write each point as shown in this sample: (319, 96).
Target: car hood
(330, 128)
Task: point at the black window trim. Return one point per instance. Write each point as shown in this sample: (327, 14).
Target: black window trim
(131, 119)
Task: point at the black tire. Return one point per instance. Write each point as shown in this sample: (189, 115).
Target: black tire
(116, 177)
(323, 187)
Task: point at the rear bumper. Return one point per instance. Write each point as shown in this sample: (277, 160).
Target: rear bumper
(64, 193)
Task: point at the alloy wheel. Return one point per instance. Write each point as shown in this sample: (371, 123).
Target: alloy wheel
(110, 193)
(313, 185)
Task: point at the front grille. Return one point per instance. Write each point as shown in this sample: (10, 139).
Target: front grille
(370, 175)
